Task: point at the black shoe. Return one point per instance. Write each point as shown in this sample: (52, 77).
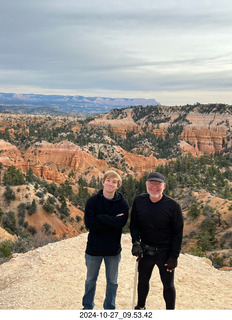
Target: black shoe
(139, 308)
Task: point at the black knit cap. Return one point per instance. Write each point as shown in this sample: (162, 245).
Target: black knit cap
(155, 176)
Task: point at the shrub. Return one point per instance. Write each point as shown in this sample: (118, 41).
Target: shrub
(39, 194)
(217, 260)
(192, 233)
(196, 251)
(21, 213)
(206, 241)
(63, 209)
(5, 249)
(13, 177)
(1, 214)
(209, 225)
(227, 238)
(48, 207)
(49, 204)
(194, 210)
(23, 244)
(78, 218)
(47, 228)
(30, 177)
(207, 210)
(32, 230)
(32, 208)
(9, 194)
(52, 200)
(9, 221)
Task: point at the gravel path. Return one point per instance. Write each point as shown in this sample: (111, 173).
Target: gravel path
(52, 278)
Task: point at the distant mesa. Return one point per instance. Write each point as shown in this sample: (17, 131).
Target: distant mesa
(59, 104)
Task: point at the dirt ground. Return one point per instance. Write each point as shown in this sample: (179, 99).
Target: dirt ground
(52, 278)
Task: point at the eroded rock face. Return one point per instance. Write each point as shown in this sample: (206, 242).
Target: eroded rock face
(4, 235)
(202, 132)
(119, 125)
(206, 132)
(203, 139)
(140, 164)
(10, 155)
(55, 161)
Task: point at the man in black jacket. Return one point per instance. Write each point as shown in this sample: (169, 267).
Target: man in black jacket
(106, 213)
(156, 229)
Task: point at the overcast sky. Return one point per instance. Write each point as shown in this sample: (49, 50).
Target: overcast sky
(175, 51)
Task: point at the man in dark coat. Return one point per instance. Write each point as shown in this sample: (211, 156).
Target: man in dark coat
(156, 229)
(106, 213)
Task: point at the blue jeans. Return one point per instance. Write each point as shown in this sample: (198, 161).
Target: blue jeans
(93, 264)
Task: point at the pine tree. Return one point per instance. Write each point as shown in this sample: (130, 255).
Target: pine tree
(13, 177)
(9, 194)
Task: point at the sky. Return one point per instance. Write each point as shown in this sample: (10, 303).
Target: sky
(174, 51)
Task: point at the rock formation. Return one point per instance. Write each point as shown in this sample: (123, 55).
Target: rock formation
(4, 235)
(10, 154)
(204, 139)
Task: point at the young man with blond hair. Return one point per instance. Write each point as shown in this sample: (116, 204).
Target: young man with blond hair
(106, 213)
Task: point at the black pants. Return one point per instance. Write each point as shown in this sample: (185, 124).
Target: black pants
(145, 268)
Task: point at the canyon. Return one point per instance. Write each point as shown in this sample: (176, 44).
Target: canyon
(132, 141)
(210, 133)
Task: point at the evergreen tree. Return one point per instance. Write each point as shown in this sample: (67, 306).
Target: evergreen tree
(32, 208)
(64, 210)
(128, 189)
(194, 210)
(9, 194)
(21, 213)
(65, 190)
(9, 221)
(30, 177)
(13, 177)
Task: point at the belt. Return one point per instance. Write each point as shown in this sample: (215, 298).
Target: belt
(151, 251)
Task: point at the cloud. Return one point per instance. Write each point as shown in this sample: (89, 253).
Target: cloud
(127, 46)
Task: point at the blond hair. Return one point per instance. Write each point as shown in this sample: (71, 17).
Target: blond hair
(112, 174)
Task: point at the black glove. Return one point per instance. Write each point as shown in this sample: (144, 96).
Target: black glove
(137, 250)
(171, 264)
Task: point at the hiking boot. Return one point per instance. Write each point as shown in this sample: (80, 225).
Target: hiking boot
(139, 308)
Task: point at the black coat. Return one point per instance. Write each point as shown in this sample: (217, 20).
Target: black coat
(105, 228)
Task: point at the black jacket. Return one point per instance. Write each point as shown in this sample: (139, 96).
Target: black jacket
(158, 224)
(105, 229)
